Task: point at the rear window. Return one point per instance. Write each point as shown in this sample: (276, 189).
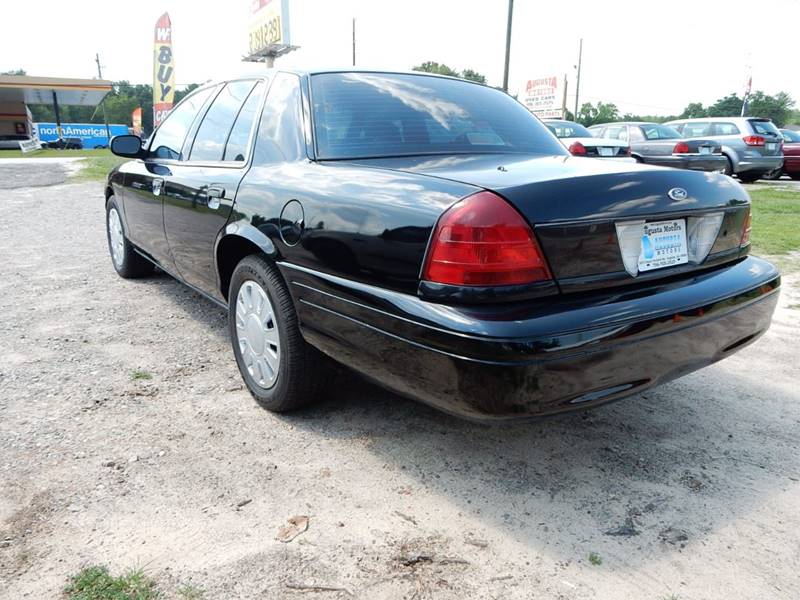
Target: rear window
(565, 129)
(764, 127)
(790, 136)
(660, 132)
(362, 115)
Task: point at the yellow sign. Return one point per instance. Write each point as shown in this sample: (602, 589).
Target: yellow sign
(163, 70)
(269, 25)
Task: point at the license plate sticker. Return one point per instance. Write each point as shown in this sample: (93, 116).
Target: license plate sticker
(602, 151)
(663, 245)
(705, 149)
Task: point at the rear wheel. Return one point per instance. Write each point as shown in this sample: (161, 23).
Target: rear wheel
(795, 176)
(749, 177)
(281, 370)
(127, 262)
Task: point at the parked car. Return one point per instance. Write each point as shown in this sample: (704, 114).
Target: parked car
(579, 141)
(791, 155)
(656, 144)
(67, 143)
(432, 234)
(752, 146)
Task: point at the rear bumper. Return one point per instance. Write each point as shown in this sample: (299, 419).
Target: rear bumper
(761, 165)
(539, 357)
(693, 162)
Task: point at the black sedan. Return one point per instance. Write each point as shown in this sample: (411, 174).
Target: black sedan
(433, 235)
(662, 145)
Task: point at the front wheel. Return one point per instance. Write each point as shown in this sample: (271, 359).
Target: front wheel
(774, 174)
(127, 262)
(281, 370)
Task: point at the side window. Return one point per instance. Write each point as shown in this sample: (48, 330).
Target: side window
(698, 129)
(169, 137)
(636, 134)
(280, 133)
(597, 132)
(617, 132)
(725, 129)
(236, 148)
(209, 143)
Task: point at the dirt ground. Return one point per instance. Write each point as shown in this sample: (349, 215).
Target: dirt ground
(689, 491)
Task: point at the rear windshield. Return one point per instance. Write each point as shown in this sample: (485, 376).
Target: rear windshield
(567, 129)
(362, 115)
(764, 127)
(659, 132)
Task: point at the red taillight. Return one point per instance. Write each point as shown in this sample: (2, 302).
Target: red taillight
(483, 241)
(746, 230)
(754, 140)
(681, 148)
(577, 149)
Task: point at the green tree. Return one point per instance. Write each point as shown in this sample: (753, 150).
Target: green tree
(442, 69)
(604, 112)
(14, 72)
(777, 107)
(435, 67)
(729, 106)
(694, 110)
(473, 76)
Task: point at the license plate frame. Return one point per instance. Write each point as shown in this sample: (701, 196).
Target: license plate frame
(605, 151)
(705, 150)
(664, 244)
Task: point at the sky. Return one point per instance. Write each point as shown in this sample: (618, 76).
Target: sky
(646, 56)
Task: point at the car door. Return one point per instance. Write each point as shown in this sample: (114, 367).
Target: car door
(200, 191)
(144, 179)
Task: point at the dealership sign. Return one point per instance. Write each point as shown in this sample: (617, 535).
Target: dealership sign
(544, 97)
(163, 70)
(92, 135)
(269, 26)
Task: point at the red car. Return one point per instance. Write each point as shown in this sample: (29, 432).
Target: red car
(791, 153)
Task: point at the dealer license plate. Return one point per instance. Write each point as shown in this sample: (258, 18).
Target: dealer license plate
(705, 149)
(605, 151)
(663, 245)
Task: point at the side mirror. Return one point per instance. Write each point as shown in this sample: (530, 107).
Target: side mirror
(129, 146)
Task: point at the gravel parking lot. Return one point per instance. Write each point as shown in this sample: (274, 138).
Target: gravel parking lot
(127, 439)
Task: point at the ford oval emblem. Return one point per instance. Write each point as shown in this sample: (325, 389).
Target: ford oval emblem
(678, 194)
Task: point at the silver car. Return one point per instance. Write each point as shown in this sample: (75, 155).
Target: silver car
(753, 146)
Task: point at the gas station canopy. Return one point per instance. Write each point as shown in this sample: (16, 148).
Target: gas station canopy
(50, 90)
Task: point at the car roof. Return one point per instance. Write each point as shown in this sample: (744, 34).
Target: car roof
(709, 119)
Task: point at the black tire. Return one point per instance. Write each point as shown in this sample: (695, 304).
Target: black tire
(303, 372)
(131, 264)
(728, 170)
(749, 177)
(795, 176)
(773, 175)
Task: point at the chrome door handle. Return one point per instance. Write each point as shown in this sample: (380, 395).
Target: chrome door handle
(158, 185)
(214, 193)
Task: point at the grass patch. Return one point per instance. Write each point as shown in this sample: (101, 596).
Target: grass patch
(776, 221)
(96, 583)
(140, 375)
(95, 166)
(595, 559)
(191, 592)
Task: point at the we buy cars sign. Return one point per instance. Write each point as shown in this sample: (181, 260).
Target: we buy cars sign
(543, 97)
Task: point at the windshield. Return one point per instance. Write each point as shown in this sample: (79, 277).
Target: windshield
(659, 132)
(764, 127)
(790, 136)
(567, 129)
(362, 115)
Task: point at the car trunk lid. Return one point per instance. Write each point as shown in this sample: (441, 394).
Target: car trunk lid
(576, 204)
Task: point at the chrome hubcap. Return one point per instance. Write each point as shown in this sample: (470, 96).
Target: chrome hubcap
(257, 334)
(116, 237)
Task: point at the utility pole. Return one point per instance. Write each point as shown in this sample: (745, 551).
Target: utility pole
(508, 44)
(354, 41)
(578, 78)
(103, 102)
